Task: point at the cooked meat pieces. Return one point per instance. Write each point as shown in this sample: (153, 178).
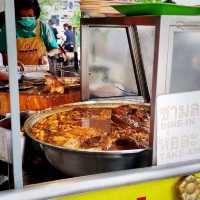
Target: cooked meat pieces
(94, 128)
(131, 116)
(93, 113)
(91, 142)
(53, 85)
(121, 110)
(126, 143)
(57, 84)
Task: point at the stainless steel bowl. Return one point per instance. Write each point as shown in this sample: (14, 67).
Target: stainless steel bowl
(83, 162)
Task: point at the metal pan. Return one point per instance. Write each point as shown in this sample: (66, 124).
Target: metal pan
(83, 162)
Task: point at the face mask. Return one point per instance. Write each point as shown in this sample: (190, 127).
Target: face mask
(28, 23)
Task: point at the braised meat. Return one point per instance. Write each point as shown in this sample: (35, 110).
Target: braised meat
(107, 129)
(134, 117)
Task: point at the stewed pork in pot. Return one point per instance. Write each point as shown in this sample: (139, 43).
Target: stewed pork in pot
(101, 129)
(94, 137)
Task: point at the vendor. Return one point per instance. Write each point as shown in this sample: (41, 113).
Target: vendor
(34, 37)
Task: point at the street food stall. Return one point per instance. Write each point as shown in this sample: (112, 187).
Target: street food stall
(135, 133)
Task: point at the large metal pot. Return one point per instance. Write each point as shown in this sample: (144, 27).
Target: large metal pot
(84, 162)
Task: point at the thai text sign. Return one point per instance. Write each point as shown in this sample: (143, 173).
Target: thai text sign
(178, 127)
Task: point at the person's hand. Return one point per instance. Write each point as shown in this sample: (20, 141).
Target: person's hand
(44, 60)
(54, 52)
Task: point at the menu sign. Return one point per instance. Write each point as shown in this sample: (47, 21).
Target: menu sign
(178, 127)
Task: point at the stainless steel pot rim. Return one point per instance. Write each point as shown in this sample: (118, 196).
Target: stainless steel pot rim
(37, 116)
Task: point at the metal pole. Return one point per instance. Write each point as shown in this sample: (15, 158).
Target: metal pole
(14, 92)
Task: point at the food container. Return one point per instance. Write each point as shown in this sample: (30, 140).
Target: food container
(5, 138)
(74, 162)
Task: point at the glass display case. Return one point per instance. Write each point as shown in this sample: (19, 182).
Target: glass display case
(110, 69)
(152, 56)
(185, 59)
(117, 59)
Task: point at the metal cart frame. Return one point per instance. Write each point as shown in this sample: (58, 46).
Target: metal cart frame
(107, 180)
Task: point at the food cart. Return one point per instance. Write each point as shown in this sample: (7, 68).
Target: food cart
(165, 35)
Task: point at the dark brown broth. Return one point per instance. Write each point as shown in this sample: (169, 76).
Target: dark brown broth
(103, 125)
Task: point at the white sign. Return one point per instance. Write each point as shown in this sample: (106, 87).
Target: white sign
(178, 127)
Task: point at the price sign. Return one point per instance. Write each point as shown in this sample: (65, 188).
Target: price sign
(178, 127)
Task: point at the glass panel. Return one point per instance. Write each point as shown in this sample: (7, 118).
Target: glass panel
(110, 66)
(185, 73)
(147, 45)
